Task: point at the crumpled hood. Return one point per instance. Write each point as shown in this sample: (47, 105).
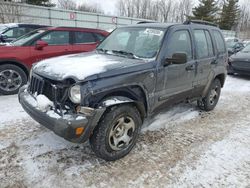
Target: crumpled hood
(81, 66)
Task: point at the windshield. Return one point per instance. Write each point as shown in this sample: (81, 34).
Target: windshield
(246, 49)
(2, 28)
(230, 44)
(133, 42)
(22, 40)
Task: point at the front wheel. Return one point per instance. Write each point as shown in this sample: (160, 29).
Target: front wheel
(12, 78)
(116, 133)
(209, 102)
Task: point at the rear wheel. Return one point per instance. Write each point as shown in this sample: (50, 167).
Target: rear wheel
(211, 99)
(117, 132)
(12, 78)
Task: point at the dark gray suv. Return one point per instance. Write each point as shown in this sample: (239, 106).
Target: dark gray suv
(105, 95)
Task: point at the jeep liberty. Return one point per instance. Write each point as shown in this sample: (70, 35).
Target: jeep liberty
(104, 96)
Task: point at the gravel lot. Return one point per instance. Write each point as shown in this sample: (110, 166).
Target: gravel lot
(181, 147)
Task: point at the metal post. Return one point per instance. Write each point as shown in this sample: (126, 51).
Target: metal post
(50, 20)
(98, 21)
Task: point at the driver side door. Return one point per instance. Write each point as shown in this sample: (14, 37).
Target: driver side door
(58, 44)
(177, 79)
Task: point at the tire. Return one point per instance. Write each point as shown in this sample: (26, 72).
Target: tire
(209, 102)
(117, 132)
(12, 78)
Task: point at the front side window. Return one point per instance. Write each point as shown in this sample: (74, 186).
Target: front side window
(135, 42)
(15, 32)
(56, 38)
(26, 38)
(180, 42)
(84, 37)
(219, 42)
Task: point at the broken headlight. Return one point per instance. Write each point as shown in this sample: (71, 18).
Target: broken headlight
(75, 94)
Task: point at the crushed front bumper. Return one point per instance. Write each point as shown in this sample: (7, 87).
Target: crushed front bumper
(63, 127)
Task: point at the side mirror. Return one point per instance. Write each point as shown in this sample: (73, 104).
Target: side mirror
(40, 44)
(177, 58)
(3, 38)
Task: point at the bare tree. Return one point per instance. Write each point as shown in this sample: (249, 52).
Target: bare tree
(185, 9)
(67, 4)
(160, 10)
(92, 8)
(10, 12)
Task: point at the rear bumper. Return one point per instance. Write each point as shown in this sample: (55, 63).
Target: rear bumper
(63, 127)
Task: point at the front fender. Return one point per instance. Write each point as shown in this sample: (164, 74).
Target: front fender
(115, 100)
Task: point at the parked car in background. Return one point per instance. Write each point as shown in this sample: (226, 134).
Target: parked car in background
(17, 58)
(246, 42)
(234, 47)
(12, 31)
(232, 39)
(240, 62)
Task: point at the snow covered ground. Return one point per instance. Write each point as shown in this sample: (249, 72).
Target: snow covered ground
(181, 147)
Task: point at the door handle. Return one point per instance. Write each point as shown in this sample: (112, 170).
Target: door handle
(190, 67)
(214, 62)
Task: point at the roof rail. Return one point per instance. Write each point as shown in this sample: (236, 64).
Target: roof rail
(145, 22)
(200, 22)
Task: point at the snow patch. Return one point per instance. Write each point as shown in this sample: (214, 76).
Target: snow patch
(43, 103)
(232, 154)
(79, 66)
(176, 115)
(11, 110)
(114, 101)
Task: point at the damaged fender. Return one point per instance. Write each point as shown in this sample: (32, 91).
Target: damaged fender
(115, 100)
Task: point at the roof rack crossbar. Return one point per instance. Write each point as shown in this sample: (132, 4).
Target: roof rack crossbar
(200, 22)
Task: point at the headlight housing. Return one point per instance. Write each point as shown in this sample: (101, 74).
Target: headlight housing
(30, 75)
(75, 94)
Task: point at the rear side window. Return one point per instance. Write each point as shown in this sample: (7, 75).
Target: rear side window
(201, 44)
(84, 37)
(219, 41)
(180, 42)
(209, 43)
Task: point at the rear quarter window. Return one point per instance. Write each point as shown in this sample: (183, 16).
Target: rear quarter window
(84, 37)
(219, 41)
(99, 37)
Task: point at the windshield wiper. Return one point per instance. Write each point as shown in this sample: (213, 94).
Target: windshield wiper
(101, 50)
(130, 54)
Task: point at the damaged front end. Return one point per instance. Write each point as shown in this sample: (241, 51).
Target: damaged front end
(51, 104)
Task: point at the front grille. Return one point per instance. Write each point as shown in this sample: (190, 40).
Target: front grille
(55, 91)
(36, 84)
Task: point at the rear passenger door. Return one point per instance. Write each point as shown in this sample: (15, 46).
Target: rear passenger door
(205, 57)
(84, 41)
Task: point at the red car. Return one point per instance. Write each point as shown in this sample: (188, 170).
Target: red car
(17, 58)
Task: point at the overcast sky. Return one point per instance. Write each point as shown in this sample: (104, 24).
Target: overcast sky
(109, 6)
